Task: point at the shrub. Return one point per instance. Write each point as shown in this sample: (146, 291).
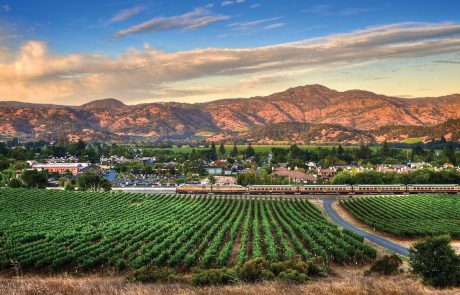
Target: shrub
(434, 260)
(309, 268)
(152, 274)
(388, 265)
(256, 270)
(213, 277)
(293, 276)
(14, 183)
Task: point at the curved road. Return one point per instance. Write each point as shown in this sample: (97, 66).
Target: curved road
(373, 238)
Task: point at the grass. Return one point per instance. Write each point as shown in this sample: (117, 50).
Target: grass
(262, 149)
(205, 133)
(412, 140)
(350, 284)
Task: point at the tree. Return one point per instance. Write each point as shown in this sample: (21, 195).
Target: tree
(4, 163)
(222, 149)
(67, 184)
(449, 153)
(386, 150)
(212, 152)
(35, 179)
(434, 260)
(212, 179)
(234, 151)
(92, 181)
(249, 151)
(14, 183)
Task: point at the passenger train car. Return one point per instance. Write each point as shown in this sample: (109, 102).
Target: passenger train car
(319, 189)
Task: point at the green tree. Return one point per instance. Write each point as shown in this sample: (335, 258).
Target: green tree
(222, 149)
(213, 152)
(35, 179)
(386, 150)
(250, 152)
(434, 260)
(449, 153)
(92, 181)
(14, 183)
(212, 179)
(234, 151)
(4, 163)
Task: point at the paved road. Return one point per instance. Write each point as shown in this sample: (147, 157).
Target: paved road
(373, 238)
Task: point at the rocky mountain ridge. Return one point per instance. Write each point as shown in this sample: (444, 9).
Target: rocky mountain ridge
(348, 116)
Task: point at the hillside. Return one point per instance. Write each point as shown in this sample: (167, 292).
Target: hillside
(350, 113)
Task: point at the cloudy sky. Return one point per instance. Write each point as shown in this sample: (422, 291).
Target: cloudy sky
(71, 52)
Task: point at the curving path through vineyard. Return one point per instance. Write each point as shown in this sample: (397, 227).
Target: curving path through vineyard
(373, 238)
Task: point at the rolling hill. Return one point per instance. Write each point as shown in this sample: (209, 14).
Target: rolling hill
(311, 113)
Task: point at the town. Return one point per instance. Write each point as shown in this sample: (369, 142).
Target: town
(63, 165)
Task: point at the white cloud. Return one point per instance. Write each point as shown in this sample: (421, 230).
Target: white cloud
(34, 73)
(251, 24)
(274, 26)
(126, 13)
(199, 17)
(231, 2)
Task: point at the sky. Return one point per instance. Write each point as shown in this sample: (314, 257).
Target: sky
(71, 52)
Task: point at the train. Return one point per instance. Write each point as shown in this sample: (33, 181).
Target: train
(319, 189)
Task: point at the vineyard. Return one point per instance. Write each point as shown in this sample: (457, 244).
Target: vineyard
(85, 231)
(418, 215)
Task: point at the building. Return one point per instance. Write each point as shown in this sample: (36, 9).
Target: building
(326, 174)
(295, 175)
(214, 170)
(147, 160)
(61, 168)
(225, 180)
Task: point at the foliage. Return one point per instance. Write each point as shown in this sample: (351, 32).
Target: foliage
(14, 183)
(51, 230)
(35, 179)
(434, 260)
(256, 270)
(252, 177)
(421, 176)
(293, 276)
(428, 214)
(152, 274)
(214, 277)
(92, 181)
(387, 265)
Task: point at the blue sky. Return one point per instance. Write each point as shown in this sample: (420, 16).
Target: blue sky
(140, 51)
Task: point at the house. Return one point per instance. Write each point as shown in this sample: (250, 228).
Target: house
(326, 174)
(147, 160)
(447, 166)
(225, 180)
(113, 159)
(311, 165)
(295, 175)
(214, 170)
(90, 168)
(31, 162)
(61, 168)
(417, 165)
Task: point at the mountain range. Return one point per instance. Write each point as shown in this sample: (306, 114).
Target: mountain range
(304, 114)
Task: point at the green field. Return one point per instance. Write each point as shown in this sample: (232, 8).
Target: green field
(262, 149)
(412, 140)
(56, 231)
(417, 215)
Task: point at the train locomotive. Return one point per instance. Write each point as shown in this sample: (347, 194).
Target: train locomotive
(319, 189)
